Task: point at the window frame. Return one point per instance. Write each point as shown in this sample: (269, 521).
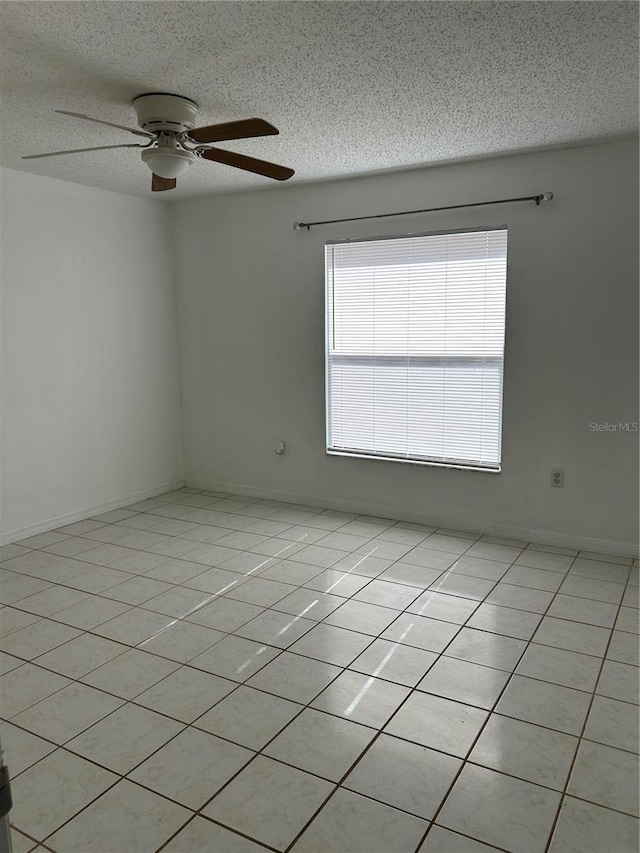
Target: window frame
(387, 457)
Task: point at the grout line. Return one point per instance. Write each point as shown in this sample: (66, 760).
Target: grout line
(583, 729)
(465, 759)
(67, 582)
(232, 634)
(271, 608)
(102, 594)
(261, 844)
(188, 662)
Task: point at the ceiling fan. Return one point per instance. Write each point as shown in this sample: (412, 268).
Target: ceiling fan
(174, 143)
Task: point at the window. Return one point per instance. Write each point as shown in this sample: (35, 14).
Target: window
(415, 347)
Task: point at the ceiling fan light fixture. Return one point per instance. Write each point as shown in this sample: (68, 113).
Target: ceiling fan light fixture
(168, 163)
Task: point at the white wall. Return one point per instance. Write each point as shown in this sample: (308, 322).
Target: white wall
(90, 398)
(251, 331)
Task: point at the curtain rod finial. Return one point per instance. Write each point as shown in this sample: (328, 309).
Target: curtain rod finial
(547, 196)
(298, 226)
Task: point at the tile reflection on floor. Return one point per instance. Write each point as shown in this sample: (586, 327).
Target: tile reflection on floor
(211, 672)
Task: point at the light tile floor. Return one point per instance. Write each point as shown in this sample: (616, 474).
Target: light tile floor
(210, 673)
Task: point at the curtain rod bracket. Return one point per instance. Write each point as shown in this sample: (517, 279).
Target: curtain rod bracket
(299, 226)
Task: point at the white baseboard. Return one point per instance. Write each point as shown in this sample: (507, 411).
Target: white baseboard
(87, 512)
(543, 537)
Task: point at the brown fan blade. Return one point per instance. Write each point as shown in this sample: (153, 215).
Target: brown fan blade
(159, 184)
(80, 150)
(249, 164)
(233, 130)
(109, 123)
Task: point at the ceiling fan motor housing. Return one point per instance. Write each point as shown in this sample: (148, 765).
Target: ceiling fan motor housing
(162, 111)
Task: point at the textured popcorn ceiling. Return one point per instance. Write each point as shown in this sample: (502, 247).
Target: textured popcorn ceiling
(354, 87)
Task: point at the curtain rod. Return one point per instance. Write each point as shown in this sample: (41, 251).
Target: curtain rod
(298, 226)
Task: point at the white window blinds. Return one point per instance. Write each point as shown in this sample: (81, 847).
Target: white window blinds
(415, 346)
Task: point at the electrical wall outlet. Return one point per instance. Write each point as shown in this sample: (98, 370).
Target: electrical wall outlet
(557, 477)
